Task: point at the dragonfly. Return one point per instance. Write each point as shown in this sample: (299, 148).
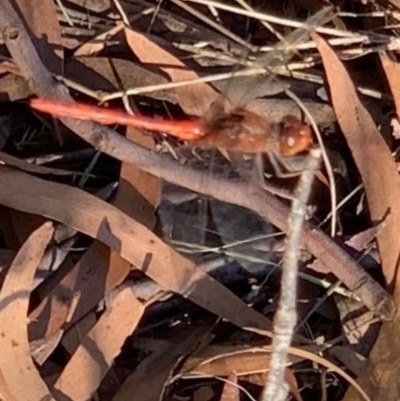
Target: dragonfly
(239, 130)
(230, 129)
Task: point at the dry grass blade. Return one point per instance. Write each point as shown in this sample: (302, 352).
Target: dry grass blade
(14, 301)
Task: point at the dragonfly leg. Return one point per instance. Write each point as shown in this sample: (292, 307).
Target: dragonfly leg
(284, 166)
(259, 177)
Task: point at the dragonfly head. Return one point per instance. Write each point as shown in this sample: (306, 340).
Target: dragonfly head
(295, 137)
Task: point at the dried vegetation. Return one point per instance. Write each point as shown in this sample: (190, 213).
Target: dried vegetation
(137, 267)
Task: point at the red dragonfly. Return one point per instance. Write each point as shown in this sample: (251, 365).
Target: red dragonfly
(233, 130)
(238, 130)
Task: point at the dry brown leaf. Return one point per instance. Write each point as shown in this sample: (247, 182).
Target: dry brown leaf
(138, 192)
(91, 361)
(382, 186)
(291, 380)
(150, 378)
(43, 348)
(4, 391)
(395, 3)
(92, 216)
(41, 17)
(194, 99)
(9, 66)
(90, 279)
(14, 301)
(14, 87)
(351, 359)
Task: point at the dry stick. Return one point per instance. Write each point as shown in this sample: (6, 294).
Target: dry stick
(236, 192)
(276, 388)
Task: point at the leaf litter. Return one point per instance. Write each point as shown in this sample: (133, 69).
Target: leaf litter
(102, 300)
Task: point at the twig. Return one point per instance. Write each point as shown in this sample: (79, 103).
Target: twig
(276, 388)
(267, 206)
(342, 203)
(64, 12)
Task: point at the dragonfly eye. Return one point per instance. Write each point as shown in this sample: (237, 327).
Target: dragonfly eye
(295, 137)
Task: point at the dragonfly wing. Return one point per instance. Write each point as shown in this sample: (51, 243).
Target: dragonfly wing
(284, 50)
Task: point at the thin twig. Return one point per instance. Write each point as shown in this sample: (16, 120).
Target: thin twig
(342, 203)
(64, 12)
(154, 15)
(276, 388)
